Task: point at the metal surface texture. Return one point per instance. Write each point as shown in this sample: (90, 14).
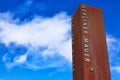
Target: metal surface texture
(89, 50)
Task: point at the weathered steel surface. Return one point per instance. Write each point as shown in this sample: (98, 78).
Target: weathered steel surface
(90, 58)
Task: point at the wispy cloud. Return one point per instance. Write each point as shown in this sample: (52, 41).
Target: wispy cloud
(113, 50)
(20, 59)
(116, 69)
(114, 53)
(45, 39)
(28, 9)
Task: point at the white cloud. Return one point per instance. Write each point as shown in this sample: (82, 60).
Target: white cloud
(38, 32)
(20, 59)
(52, 33)
(113, 49)
(116, 69)
(114, 53)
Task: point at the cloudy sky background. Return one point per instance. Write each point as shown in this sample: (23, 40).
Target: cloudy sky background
(35, 38)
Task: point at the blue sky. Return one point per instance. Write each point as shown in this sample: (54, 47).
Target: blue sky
(35, 38)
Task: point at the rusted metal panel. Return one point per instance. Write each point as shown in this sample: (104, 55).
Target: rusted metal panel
(90, 58)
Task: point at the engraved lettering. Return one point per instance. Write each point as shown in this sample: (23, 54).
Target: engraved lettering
(84, 10)
(85, 24)
(87, 55)
(84, 14)
(86, 40)
(86, 45)
(86, 50)
(85, 31)
(84, 17)
(87, 59)
(85, 27)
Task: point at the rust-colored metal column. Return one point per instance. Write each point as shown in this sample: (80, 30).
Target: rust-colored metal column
(90, 58)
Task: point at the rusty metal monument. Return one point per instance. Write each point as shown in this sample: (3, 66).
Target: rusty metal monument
(89, 50)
